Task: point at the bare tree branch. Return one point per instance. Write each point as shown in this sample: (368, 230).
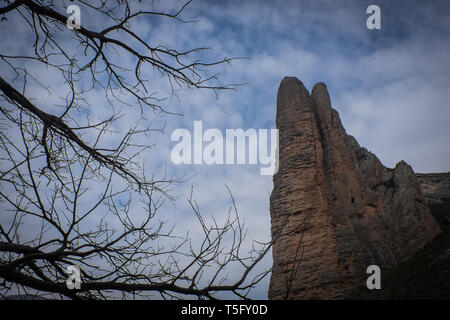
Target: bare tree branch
(69, 198)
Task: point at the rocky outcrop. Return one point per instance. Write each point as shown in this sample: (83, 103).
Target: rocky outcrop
(435, 186)
(335, 209)
(426, 274)
(436, 189)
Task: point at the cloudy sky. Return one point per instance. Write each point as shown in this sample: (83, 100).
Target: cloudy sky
(390, 86)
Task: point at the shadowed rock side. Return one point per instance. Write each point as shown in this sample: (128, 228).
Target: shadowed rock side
(426, 274)
(335, 209)
(436, 189)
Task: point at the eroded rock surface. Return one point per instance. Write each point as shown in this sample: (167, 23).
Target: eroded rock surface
(436, 189)
(335, 209)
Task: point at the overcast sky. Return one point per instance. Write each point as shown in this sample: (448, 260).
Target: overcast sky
(390, 86)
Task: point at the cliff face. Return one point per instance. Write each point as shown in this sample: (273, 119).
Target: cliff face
(335, 209)
(426, 274)
(436, 189)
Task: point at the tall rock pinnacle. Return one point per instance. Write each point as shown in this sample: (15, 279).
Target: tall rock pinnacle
(335, 209)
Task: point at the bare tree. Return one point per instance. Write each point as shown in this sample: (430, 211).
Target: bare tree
(68, 195)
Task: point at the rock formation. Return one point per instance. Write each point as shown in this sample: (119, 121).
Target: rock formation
(335, 209)
(436, 189)
(435, 186)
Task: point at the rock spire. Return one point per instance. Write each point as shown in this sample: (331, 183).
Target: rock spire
(335, 209)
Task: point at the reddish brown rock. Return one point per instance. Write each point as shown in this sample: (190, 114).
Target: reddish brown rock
(335, 209)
